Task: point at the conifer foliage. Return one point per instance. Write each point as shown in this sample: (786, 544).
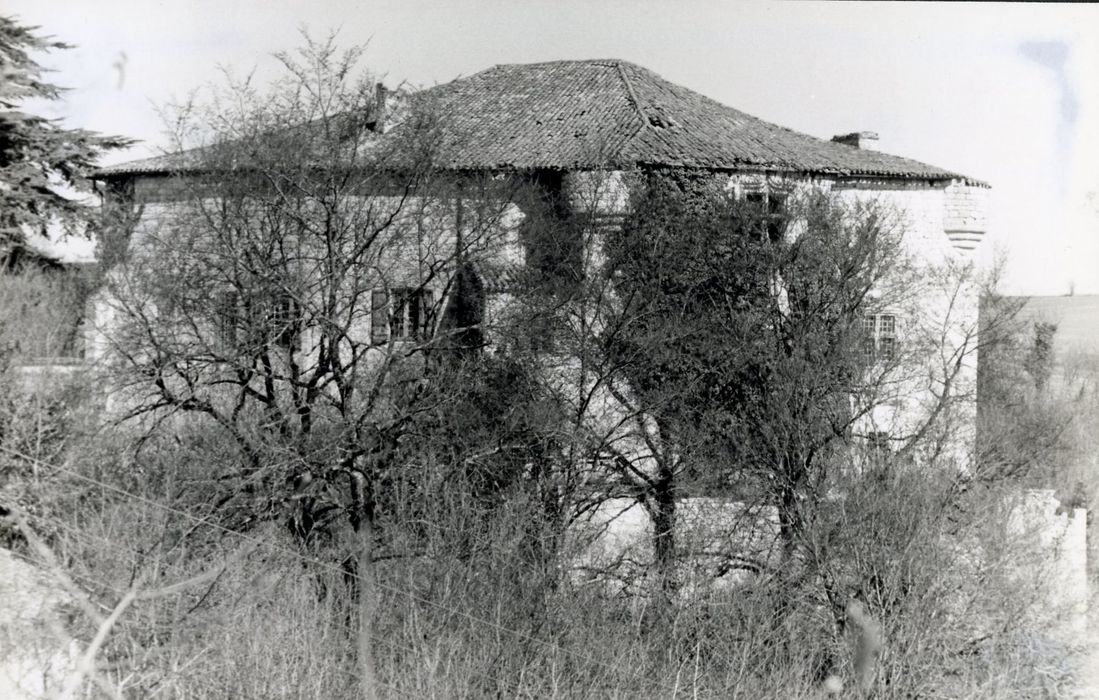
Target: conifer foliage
(43, 165)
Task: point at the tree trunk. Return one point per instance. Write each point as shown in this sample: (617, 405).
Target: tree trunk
(793, 475)
(789, 521)
(664, 549)
(364, 592)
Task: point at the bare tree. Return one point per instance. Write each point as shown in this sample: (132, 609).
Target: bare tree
(304, 288)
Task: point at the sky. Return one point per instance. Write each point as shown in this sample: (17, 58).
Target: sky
(1006, 93)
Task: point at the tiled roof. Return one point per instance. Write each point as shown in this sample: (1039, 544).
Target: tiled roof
(612, 113)
(568, 114)
(168, 163)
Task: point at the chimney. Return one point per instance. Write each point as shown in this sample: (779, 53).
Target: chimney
(381, 93)
(858, 139)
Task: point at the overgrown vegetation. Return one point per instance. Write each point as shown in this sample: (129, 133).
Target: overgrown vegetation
(316, 480)
(1038, 411)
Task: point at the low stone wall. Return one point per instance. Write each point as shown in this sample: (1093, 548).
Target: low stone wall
(1052, 541)
(35, 652)
(720, 543)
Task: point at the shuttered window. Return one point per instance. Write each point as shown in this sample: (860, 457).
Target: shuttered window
(404, 313)
(379, 316)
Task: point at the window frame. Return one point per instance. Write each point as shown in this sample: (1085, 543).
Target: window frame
(772, 211)
(880, 342)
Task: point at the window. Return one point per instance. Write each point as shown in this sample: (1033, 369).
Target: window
(879, 443)
(402, 313)
(226, 312)
(544, 333)
(241, 322)
(281, 320)
(881, 337)
(771, 209)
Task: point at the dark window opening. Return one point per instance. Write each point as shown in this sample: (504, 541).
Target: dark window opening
(770, 210)
(545, 331)
(879, 443)
(282, 321)
(404, 313)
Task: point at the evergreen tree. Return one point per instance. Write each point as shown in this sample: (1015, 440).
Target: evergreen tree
(43, 166)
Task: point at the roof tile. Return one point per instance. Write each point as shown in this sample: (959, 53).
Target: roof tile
(612, 113)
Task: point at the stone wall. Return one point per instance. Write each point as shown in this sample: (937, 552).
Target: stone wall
(417, 249)
(36, 653)
(935, 299)
(720, 543)
(966, 215)
(941, 222)
(1051, 543)
(420, 243)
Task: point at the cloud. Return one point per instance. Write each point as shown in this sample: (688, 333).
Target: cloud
(1054, 56)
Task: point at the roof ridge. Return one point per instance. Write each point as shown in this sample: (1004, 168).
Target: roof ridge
(562, 61)
(632, 95)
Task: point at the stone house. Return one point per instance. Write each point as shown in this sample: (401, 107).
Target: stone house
(578, 129)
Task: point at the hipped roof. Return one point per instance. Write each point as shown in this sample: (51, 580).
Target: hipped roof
(611, 113)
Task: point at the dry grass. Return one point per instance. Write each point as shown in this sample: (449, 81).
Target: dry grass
(467, 611)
